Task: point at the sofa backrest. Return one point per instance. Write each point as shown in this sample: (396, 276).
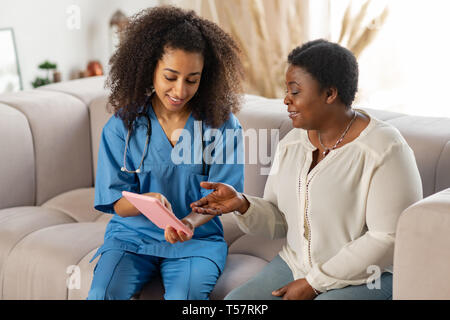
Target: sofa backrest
(17, 174)
(46, 142)
(49, 140)
(99, 115)
(428, 137)
(265, 122)
(92, 92)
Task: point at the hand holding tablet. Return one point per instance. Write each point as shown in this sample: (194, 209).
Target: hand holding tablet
(155, 211)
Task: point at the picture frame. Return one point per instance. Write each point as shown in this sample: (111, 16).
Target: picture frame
(10, 77)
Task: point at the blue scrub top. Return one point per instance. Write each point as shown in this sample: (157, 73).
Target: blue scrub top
(163, 173)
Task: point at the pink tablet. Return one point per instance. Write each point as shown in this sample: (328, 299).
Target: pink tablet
(155, 211)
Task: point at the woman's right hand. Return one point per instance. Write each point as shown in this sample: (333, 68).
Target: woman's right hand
(161, 198)
(125, 208)
(223, 199)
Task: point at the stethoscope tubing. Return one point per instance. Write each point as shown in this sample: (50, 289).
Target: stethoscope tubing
(147, 143)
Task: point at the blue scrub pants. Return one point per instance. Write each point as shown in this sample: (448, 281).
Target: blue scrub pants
(118, 275)
(277, 274)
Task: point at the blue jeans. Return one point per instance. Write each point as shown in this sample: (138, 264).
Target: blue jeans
(277, 274)
(118, 275)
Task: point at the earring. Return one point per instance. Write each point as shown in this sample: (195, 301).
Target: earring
(150, 91)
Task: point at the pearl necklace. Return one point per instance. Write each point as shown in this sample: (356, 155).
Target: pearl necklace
(327, 150)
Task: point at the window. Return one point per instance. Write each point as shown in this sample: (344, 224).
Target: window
(407, 66)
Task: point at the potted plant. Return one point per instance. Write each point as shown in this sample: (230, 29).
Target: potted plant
(48, 66)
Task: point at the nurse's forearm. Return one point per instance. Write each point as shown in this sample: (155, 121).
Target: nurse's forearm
(125, 209)
(196, 220)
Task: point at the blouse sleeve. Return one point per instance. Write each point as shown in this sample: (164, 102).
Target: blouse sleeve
(395, 185)
(110, 180)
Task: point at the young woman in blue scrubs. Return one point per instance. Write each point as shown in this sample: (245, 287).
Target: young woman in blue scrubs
(174, 79)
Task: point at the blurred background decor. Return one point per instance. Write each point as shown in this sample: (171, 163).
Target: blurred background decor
(402, 53)
(48, 67)
(359, 30)
(267, 30)
(117, 25)
(94, 68)
(10, 77)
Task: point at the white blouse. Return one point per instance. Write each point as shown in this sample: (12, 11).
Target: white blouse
(339, 219)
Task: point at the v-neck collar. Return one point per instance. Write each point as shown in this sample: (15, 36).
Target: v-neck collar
(311, 148)
(307, 142)
(160, 129)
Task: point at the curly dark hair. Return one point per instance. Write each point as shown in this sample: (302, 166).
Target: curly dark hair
(331, 65)
(145, 38)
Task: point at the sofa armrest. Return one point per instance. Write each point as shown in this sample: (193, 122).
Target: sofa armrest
(422, 250)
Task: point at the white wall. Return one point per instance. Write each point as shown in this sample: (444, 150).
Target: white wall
(42, 32)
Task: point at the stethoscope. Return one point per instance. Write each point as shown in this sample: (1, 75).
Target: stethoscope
(147, 142)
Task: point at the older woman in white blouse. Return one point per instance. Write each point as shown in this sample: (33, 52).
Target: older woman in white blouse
(339, 182)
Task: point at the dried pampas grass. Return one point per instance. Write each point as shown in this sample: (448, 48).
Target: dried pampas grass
(354, 34)
(267, 30)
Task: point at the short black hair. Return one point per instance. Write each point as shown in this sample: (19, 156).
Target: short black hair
(331, 65)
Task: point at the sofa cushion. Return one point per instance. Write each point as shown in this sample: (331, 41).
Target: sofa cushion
(60, 127)
(231, 230)
(99, 115)
(90, 91)
(94, 95)
(422, 250)
(78, 204)
(86, 89)
(86, 273)
(427, 137)
(239, 269)
(443, 169)
(37, 267)
(265, 122)
(382, 114)
(17, 223)
(256, 246)
(17, 173)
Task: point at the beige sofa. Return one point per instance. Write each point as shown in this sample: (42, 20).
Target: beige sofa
(49, 230)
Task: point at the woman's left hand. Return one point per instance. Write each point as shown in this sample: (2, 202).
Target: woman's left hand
(174, 236)
(296, 290)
